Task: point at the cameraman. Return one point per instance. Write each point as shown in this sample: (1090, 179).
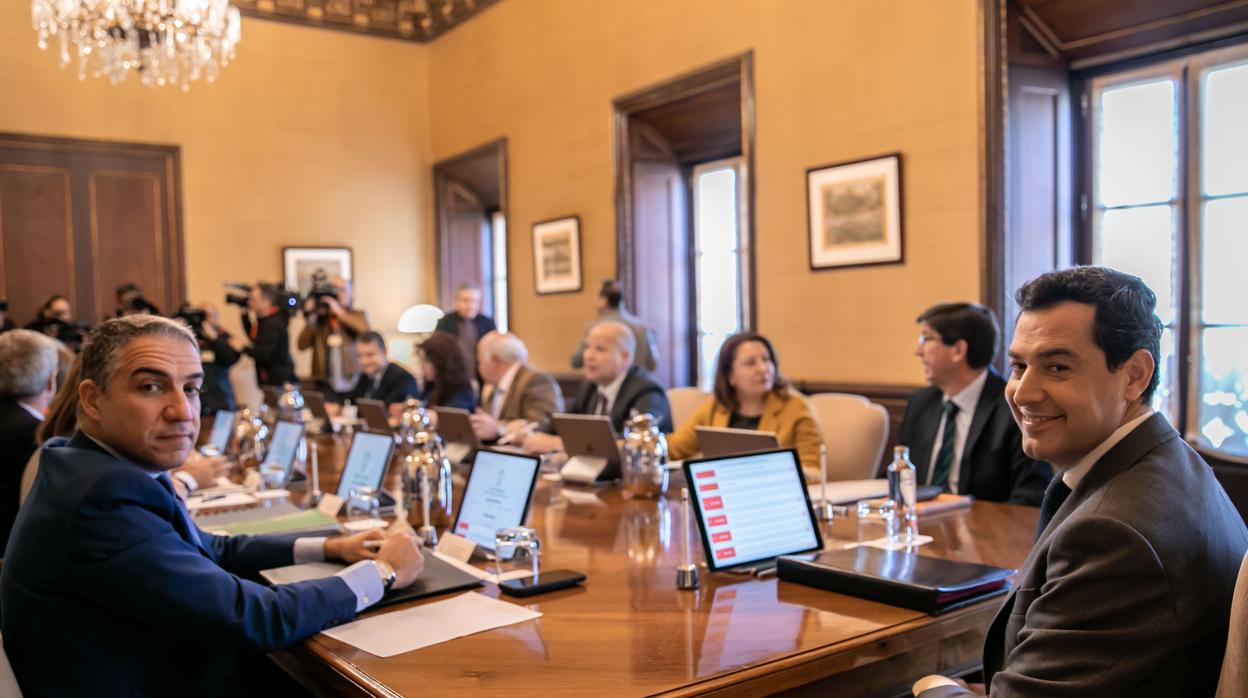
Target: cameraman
(130, 301)
(270, 342)
(215, 353)
(331, 330)
(56, 320)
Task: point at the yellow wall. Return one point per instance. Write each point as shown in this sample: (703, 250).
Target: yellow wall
(835, 80)
(310, 137)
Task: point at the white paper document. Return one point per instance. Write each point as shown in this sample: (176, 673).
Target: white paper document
(388, 634)
(235, 499)
(849, 491)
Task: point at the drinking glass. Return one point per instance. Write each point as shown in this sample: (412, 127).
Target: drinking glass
(363, 504)
(516, 549)
(877, 518)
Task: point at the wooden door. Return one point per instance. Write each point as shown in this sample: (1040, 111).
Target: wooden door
(78, 218)
(660, 251)
(465, 244)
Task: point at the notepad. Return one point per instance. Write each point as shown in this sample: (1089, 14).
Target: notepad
(396, 632)
(310, 520)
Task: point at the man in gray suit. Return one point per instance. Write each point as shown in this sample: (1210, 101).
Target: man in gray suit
(1127, 591)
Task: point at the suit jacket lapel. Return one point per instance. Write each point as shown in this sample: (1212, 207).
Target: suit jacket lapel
(619, 410)
(518, 383)
(928, 423)
(771, 413)
(984, 408)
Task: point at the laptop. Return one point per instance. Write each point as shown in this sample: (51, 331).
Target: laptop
(752, 508)
(593, 453)
(367, 462)
(222, 429)
(721, 441)
(283, 446)
(455, 428)
(498, 494)
(374, 414)
(315, 402)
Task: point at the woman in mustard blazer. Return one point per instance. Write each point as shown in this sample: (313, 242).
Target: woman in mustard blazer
(750, 394)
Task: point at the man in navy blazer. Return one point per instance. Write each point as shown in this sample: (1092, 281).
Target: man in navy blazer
(613, 386)
(109, 587)
(959, 429)
(380, 379)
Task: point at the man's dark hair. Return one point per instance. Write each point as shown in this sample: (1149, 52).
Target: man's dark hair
(1126, 320)
(968, 321)
(611, 293)
(372, 337)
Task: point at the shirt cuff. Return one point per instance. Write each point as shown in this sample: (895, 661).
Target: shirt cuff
(188, 480)
(309, 550)
(365, 582)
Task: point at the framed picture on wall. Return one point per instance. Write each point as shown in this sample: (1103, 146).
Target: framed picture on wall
(557, 255)
(300, 264)
(854, 213)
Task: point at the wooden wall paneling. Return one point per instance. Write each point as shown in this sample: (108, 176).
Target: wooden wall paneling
(36, 237)
(127, 236)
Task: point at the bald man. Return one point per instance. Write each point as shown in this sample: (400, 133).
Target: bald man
(613, 386)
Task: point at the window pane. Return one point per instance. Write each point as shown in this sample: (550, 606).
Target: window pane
(1224, 244)
(1222, 421)
(1137, 144)
(1164, 400)
(708, 353)
(718, 264)
(1141, 241)
(1225, 140)
(500, 270)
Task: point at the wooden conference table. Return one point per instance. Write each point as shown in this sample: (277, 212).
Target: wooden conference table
(629, 631)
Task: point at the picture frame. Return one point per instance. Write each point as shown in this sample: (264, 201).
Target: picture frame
(557, 255)
(299, 263)
(854, 213)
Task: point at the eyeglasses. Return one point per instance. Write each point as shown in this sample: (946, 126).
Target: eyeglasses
(924, 338)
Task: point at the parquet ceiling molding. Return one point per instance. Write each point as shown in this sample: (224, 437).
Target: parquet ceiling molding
(410, 20)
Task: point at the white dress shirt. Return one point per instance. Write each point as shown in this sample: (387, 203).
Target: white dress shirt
(1075, 475)
(611, 390)
(966, 402)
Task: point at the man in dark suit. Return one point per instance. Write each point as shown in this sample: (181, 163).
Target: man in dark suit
(467, 323)
(1127, 591)
(108, 585)
(380, 379)
(613, 386)
(959, 429)
(515, 395)
(28, 362)
(270, 341)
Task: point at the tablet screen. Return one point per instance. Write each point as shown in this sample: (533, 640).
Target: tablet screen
(222, 425)
(283, 444)
(497, 495)
(752, 507)
(366, 462)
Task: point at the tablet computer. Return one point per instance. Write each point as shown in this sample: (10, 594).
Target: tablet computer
(283, 445)
(222, 429)
(315, 402)
(272, 394)
(498, 493)
(721, 441)
(367, 461)
(593, 453)
(374, 414)
(455, 428)
(752, 508)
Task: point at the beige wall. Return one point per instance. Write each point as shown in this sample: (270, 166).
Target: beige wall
(834, 81)
(310, 137)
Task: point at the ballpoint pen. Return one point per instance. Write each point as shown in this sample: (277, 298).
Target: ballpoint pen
(522, 431)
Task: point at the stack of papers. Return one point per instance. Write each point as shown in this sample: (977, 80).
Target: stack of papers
(388, 634)
(220, 501)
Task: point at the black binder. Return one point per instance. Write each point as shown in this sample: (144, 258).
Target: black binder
(929, 584)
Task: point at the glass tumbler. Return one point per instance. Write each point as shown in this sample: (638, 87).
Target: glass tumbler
(363, 504)
(877, 519)
(516, 549)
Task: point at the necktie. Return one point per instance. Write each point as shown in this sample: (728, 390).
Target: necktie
(1054, 495)
(374, 383)
(944, 457)
(602, 406)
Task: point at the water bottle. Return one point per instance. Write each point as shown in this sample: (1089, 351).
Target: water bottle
(902, 489)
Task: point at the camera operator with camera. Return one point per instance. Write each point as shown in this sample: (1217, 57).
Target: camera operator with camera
(215, 353)
(332, 327)
(56, 320)
(270, 342)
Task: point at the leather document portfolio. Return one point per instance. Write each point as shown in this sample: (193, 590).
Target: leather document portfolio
(437, 577)
(928, 584)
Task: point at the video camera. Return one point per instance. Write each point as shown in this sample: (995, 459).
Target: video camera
(322, 288)
(286, 301)
(193, 317)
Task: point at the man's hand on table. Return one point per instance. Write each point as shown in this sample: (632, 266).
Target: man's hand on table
(351, 549)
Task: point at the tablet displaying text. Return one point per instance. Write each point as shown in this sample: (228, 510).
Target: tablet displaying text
(497, 495)
(222, 425)
(366, 462)
(283, 444)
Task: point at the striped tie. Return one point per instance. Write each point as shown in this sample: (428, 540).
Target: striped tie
(944, 458)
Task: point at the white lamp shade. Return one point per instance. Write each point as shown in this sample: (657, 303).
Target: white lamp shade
(420, 318)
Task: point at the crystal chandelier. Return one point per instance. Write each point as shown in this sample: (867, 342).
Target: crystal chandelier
(167, 42)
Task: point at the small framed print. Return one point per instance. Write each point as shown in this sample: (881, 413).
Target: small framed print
(301, 263)
(854, 213)
(557, 255)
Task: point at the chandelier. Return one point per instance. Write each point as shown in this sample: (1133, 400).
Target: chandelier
(167, 42)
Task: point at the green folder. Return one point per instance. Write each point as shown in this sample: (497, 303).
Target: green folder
(310, 520)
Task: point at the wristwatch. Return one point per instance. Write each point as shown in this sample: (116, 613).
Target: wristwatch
(387, 573)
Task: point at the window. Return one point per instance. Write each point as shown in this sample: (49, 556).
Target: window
(498, 225)
(1169, 203)
(719, 260)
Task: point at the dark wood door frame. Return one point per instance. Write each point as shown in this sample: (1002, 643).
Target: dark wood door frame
(442, 178)
(736, 68)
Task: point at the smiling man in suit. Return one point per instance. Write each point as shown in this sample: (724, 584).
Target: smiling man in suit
(1127, 591)
(959, 429)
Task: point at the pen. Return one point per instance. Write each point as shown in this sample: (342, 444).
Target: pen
(765, 573)
(373, 544)
(212, 498)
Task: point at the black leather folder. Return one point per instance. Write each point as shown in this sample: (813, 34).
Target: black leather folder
(928, 584)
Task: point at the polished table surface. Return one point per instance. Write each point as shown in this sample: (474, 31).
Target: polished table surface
(629, 631)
